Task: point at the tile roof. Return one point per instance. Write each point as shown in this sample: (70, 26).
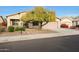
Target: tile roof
(15, 14)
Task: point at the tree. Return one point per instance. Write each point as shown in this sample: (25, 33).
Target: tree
(27, 17)
(39, 14)
(52, 16)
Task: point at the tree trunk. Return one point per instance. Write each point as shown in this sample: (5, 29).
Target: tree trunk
(41, 24)
(45, 23)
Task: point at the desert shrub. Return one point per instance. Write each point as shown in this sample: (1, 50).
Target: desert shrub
(64, 26)
(22, 29)
(3, 29)
(72, 27)
(19, 29)
(11, 29)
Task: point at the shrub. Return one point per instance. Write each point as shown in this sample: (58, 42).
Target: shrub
(73, 27)
(19, 29)
(11, 29)
(64, 26)
(22, 29)
(3, 29)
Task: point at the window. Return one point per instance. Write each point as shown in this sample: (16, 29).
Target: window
(15, 22)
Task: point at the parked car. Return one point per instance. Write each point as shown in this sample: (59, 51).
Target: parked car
(72, 27)
(64, 26)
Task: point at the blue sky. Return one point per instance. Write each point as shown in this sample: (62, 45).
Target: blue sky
(60, 10)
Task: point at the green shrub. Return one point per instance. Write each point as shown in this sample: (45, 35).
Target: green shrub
(22, 29)
(11, 29)
(19, 29)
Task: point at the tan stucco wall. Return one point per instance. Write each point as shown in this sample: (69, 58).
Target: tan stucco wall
(52, 25)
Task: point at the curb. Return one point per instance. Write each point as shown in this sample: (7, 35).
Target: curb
(35, 36)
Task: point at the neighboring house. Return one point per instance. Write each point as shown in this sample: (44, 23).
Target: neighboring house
(67, 21)
(1, 19)
(75, 22)
(3, 22)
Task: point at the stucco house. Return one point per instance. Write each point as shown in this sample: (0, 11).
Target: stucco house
(75, 21)
(1, 19)
(3, 22)
(67, 20)
(15, 20)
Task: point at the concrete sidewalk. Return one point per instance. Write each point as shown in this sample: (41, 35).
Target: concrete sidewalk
(61, 32)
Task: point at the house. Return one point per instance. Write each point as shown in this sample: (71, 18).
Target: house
(14, 19)
(2, 21)
(75, 21)
(67, 20)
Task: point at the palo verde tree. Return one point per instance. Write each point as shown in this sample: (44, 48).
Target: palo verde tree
(39, 14)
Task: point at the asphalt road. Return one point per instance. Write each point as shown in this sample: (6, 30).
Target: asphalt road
(56, 44)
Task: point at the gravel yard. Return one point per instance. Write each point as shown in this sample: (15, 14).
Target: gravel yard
(27, 32)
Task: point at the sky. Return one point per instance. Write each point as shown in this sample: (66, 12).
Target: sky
(60, 10)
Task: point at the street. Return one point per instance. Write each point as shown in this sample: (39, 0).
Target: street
(55, 44)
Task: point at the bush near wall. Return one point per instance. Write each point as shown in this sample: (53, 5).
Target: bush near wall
(3, 29)
(19, 29)
(22, 29)
(11, 29)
